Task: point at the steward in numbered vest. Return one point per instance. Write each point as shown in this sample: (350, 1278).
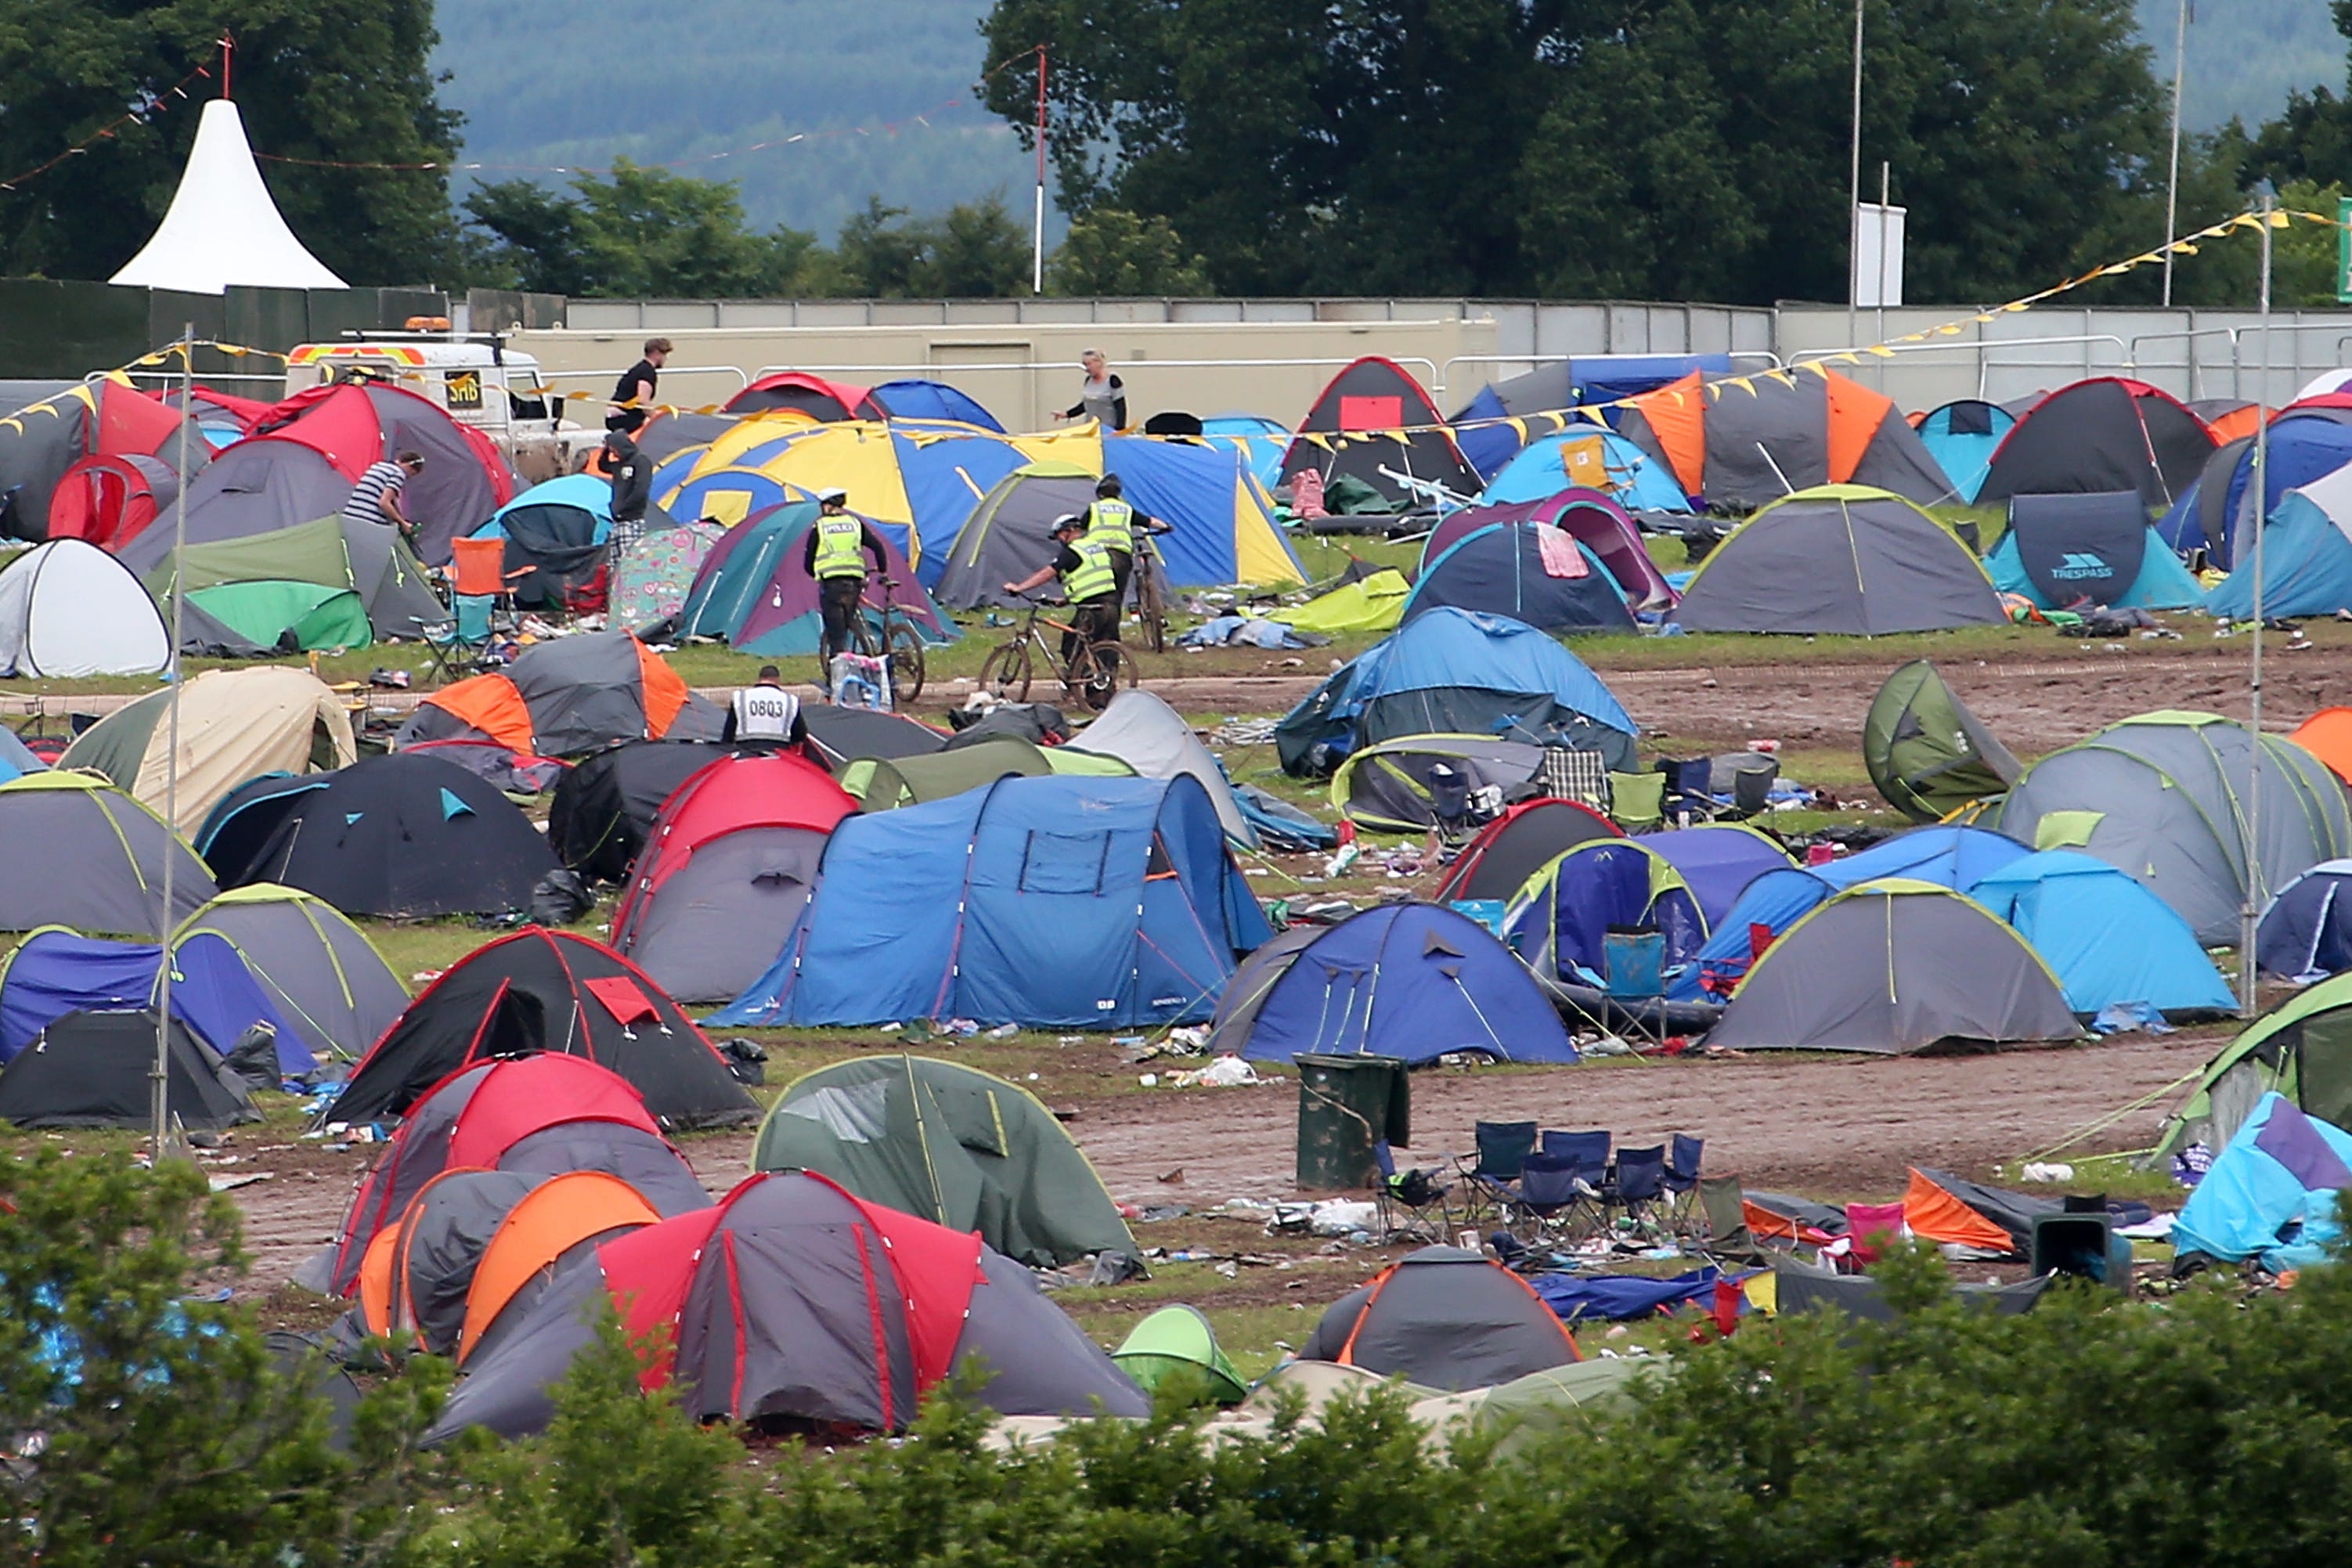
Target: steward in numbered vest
(837, 548)
(766, 712)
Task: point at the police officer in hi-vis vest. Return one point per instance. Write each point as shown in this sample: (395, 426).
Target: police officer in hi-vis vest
(1111, 522)
(1083, 563)
(837, 548)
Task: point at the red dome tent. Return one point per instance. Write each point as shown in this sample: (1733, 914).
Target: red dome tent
(793, 1301)
(726, 868)
(39, 442)
(1519, 844)
(829, 401)
(109, 497)
(1404, 432)
(355, 423)
(552, 991)
(2103, 435)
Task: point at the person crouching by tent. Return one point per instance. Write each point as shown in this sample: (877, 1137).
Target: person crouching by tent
(632, 474)
(1111, 522)
(1083, 563)
(376, 498)
(837, 548)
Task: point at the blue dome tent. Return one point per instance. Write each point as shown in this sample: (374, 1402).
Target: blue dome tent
(2306, 559)
(918, 398)
(2306, 933)
(1961, 437)
(1595, 457)
(1058, 902)
(2106, 939)
(1560, 920)
(2304, 447)
(54, 971)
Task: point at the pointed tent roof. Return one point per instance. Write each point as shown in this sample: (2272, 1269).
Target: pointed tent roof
(222, 228)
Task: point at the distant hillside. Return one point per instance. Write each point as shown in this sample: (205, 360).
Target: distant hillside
(2244, 56)
(584, 82)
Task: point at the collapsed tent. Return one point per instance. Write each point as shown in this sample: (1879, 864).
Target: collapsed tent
(106, 417)
(884, 785)
(1594, 521)
(1742, 442)
(793, 1301)
(1844, 559)
(2166, 798)
(1519, 844)
(558, 537)
(540, 991)
(2301, 447)
(2105, 433)
(403, 835)
(838, 736)
(599, 814)
(1417, 781)
(84, 855)
(1411, 981)
(954, 1144)
(1962, 436)
(68, 609)
(1927, 753)
(1373, 422)
(2306, 932)
(2272, 1193)
(2092, 547)
(1894, 967)
(726, 867)
(754, 590)
(1443, 1318)
(2106, 939)
(322, 975)
(333, 553)
(1093, 903)
(359, 423)
(1941, 1206)
(1373, 603)
(1454, 672)
(96, 1070)
(1142, 730)
(566, 696)
(233, 725)
(1588, 457)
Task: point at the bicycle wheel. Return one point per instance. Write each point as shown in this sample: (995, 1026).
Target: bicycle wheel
(905, 663)
(1005, 675)
(1151, 604)
(1099, 671)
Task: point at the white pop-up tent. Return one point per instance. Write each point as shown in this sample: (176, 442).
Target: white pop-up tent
(67, 608)
(222, 228)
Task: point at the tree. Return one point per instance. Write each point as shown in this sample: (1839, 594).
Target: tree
(1110, 252)
(325, 81)
(973, 250)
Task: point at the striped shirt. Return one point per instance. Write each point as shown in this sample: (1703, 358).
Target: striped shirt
(381, 479)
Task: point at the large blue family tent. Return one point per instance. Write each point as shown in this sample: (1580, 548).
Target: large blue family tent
(1221, 521)
(1457, 671)
(1560, 919)
(1960, 436)
(2306, 558)
(2306, 933)
(54, 972)
(2302, 448)
(1956, 857)
(2270, 1193)
(918, 398)
(2106, 939)
(1591, 457)
(1489, 441)
(730, 495)
(1414, 981)
(2097, 549)
(1058, 902)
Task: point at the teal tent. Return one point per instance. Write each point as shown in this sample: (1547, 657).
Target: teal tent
(2106, 939)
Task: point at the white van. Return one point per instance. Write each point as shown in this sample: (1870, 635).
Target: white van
(474, 378)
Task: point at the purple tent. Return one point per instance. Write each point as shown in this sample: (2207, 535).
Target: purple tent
(1592, 518)
(1718, 863)
(754, 589)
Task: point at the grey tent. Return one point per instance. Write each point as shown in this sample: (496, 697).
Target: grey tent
(952, 1143)
(839, 736)
(1841, 558)
(83, 853)
(94, 1070)
(1006, 537)
(324, 976)
(1893, 968)
(1404, 785)
(1803, 1287)
(1925, 751)
(2167, 797)
(1142, 730)
(580, 693)
(261, 485)
(795, 1301)
(441, 1239)
(1443, 1318)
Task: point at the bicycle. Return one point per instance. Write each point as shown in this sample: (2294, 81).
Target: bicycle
(895, 632)
(1151, 596)
(1095, 672)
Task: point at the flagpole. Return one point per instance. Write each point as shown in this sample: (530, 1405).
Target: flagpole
(2249, 908)
(2172, 177)
(160, 1086)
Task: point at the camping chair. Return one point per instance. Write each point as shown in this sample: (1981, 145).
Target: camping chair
(1569, 773)
(481, 604)
(1588, 1152)
(1724, 1207)
(1489, 1184)
(1639, 1183)
(1410, 1201)
(1550, 1189)
(1637, 801)
(1751, 790)
(1867, 1225)
(1690, 788)
(1683, 1153)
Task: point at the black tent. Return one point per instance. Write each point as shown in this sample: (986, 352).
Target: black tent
(1375, 416)
(552, 991)
(91, 1070)
(397, 835)
(1443, 1318)
(553, 550)
(597, 823)
(840, 736)
(1519, 844)
(2107, 433)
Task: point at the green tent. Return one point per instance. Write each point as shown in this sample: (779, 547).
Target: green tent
(2302, 1048)
(394, 591)
(952, 1144)
(1174, 1340)
(883, 784)
(1371, 603)
(1925, 751)
(266, 614)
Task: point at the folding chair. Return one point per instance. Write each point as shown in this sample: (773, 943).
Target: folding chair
(1417, 1194)
(1588, 1153)
(1637, 801)
(1870, 1227)
(1639, 1183)
(1724, 1207)
(1683, 1153)
(1690, 788)
(1489, 1185)
(1550, 1188)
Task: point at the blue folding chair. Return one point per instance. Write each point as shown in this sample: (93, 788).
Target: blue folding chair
(1639, 1183)
(1490, 1179)
(1589, 1153)
(1550, 1188)
(1416, 1194)
(1683, 1155)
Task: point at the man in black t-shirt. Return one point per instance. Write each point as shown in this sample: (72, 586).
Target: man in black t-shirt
(638, 384)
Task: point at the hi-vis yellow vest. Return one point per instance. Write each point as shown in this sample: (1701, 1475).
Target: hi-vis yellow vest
(1094, 577)
(1111, 524)
(839, 545)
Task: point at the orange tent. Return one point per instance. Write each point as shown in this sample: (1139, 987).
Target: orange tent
(566, 696)
(2327, 735)
(1743, 441)
(556, 1218)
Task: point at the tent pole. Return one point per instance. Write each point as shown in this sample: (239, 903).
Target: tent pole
(160, 1085)
(2249, 910)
